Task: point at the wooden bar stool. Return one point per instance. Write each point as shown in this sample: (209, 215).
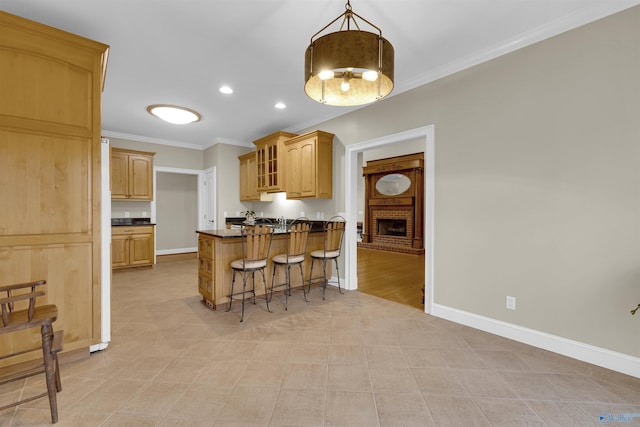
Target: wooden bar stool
(256, 242)
(296, 245)
(31, 316)
(333, 234)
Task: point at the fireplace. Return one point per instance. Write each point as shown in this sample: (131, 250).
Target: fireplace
(393, 217)
(392, 227)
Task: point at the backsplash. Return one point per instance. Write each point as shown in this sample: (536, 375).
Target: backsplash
(127, 209)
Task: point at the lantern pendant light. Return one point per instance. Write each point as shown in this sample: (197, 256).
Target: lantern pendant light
(350, 66)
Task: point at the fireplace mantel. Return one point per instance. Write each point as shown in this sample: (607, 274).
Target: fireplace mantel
(401, 198)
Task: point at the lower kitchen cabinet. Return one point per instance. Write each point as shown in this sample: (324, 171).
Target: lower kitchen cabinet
(132, 246)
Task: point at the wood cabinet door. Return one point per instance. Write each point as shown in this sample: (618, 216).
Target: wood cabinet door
(243, 180)
(140, 177)
(261, 166)
(119, 175)
(248, 179)
(119, 250)
(292, 162)
(270, 167)
(308, 168)
(141, 249)
(252, 180)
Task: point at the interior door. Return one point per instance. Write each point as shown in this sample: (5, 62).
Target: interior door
(210, 198)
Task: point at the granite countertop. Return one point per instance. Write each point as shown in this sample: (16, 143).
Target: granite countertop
(128, 222)
(227, 233)
(316, 225)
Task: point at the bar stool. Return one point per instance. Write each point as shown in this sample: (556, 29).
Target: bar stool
(31, 317)
(296, 246)
(333, 230)
(255, 242)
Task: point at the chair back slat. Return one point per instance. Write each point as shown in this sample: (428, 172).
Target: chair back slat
(298, 237)
(334, 232)
(256, 242)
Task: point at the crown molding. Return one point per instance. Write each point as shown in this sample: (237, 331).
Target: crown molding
(584, 16)
(151, 140)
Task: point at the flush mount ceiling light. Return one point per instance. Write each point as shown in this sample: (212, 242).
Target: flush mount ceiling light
(348, 67)
(174, 114)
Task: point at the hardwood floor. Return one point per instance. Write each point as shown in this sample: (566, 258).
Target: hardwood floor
(391, 275)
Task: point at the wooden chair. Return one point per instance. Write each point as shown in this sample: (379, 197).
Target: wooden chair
(256, 242)
(296, 244)
(333, 235)
(31, 316)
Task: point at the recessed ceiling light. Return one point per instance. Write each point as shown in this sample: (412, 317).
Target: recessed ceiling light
(174, 114)
(280, 105)
(226, 90)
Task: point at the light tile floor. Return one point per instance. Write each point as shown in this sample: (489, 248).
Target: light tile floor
(352, 360)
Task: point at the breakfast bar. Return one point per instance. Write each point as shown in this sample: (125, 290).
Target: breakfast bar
(216, 250)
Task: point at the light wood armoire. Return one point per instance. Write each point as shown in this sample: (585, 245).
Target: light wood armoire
(50, 183)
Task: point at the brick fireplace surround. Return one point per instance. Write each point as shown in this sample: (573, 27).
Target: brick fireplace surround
(404, 206)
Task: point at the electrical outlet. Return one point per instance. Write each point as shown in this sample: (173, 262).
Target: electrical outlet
(301, 213)
(511, 303)
(126, 214)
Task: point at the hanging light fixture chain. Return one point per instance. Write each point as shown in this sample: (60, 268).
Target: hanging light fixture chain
(349, 15)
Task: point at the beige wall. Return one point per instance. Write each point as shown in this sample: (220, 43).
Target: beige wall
(536, 181)
(225, 159)
(177, 211)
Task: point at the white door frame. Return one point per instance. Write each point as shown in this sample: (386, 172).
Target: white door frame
(352, 173)
(203, 223)
(105, 247)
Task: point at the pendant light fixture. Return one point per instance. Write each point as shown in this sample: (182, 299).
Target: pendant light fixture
(350, 66)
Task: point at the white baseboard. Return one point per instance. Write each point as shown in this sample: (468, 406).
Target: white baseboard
(176, 251)
(615, 361)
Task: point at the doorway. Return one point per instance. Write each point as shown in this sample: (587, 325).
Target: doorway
(352, 175)
(184, 200)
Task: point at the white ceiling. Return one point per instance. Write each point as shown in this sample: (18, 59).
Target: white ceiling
(181, 51)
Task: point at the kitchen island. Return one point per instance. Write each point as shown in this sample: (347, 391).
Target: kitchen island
(216, 250)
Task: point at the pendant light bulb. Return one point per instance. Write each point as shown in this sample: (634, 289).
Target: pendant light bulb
(325, 75)
(370, 76)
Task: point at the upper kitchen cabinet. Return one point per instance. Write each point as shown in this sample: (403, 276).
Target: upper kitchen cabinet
(131, 175)
(269, 156)
(309, 166)
(248, 182)
(50, 175)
